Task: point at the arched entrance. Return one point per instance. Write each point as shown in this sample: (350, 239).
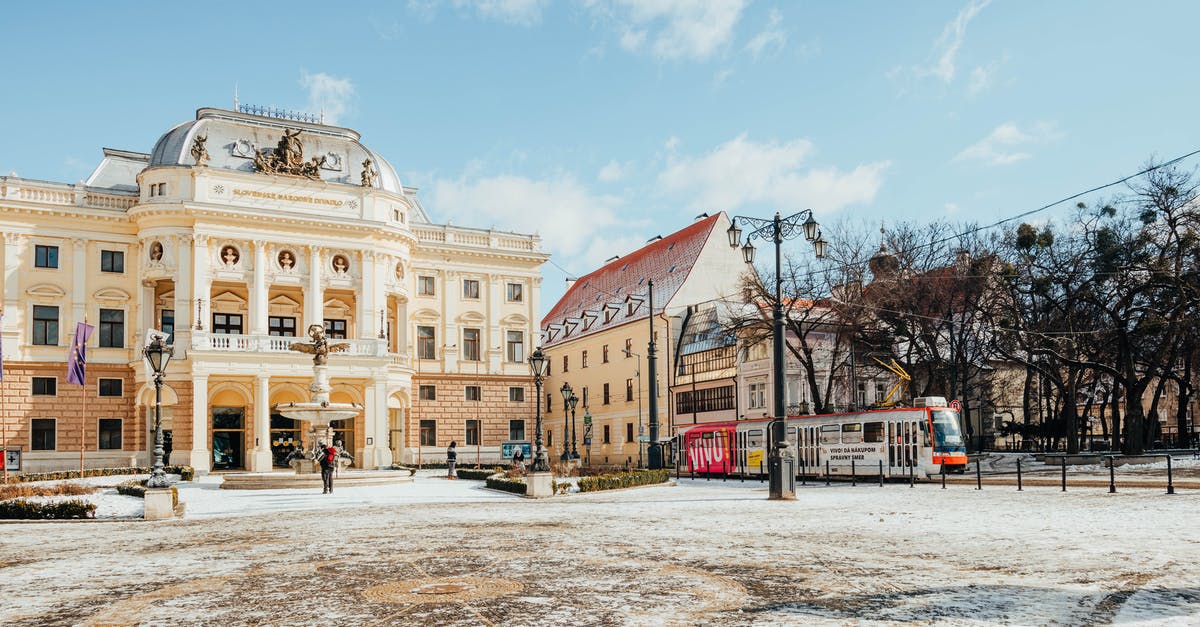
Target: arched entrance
(286, 433)
(228, 421)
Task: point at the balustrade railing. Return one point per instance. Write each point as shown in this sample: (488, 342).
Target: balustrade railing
(202, 341)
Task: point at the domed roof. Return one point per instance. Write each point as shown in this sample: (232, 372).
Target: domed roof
(232, 139)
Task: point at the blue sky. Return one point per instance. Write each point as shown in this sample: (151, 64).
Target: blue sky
(600, 123)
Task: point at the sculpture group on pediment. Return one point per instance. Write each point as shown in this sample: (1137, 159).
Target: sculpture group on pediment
(288, 158)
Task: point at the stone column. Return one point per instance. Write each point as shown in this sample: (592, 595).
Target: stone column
(200, 457)
(260, 458)
(146, 309)
(184, 280)
(375, 426)
(314, 297)
(258, 290)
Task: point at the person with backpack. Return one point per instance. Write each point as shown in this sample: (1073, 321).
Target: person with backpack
(327, 457)
(451, 459)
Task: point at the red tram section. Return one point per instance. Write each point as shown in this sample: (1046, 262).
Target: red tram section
(898, 441)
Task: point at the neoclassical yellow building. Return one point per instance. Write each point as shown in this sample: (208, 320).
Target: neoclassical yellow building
(233, 234)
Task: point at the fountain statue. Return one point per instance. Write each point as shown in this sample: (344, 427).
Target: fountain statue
(318, 412)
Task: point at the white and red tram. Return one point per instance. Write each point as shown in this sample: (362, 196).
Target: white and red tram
(920, 439)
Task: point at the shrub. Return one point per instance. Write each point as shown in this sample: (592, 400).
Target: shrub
(478, 475)
(21, 509)
(500, 482)
(64, 489)
(623, 480)
(138, 489)
(186, 473)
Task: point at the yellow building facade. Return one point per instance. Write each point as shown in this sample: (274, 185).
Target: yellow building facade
(233, 234)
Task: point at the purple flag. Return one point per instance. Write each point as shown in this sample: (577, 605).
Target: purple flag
(77, 359)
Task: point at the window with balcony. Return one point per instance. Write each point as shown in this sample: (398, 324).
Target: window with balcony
(281, 326)
(227, 324)
(112, 328)
(426, 343)
(335, 329)
(45, 325)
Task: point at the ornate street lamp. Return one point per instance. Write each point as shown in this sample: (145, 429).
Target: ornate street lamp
(780, 464)
(539, 365)
(158, 354)
(569, 401)
(573, 401)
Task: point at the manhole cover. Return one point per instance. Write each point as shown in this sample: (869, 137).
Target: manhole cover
(442, 590)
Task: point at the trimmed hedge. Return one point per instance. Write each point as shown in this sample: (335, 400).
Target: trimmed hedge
(623, 480)
(500, 482)
(478, 474)
(186, 473)
(138, 489)
(21, 509)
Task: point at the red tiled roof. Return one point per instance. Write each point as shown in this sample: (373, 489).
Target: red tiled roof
(666, 261)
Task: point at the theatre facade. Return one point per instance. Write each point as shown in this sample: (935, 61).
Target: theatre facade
(234, 234)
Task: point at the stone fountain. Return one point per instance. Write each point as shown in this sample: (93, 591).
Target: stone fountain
(319, 412)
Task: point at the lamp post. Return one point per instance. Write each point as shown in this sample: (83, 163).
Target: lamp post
(638, 373)
(569, 402)
(781, 466)
(158, 354)
(539, 365)
(655, 451)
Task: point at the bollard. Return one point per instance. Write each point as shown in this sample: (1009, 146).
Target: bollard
(1112, 475)
(803, 471)
(1018, 474)
(881, 473)
(1170, 483)
(978, 477)
(761, 475)
(1064, 474)
(692, 470)
(827, 472)
(853, 477)
(912, 476)
(943, 476)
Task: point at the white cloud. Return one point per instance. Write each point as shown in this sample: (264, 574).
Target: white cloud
(673, 29)
(520, 12)
(1003, 145)
(742, 172)
(943, 62)
(771, 40)
(981, 79)
(331, 95)
(614, 171)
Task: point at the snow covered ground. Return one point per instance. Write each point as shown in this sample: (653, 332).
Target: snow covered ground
(702, 552)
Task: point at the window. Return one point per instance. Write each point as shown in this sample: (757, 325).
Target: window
(45, 257)
(516, 346)
(565, 363)
(604, 354)
(516, 430)
(281, 326)
(549, 438)
(45, 325)
(470, 288)
(428, 433)
(335, 329)
(473, 432)
(111, 387)
(860, 394)
(628, 390)
(831, 434)
(628, 347)
(43, 434)
(514, 293)
(474, 393)
(45, 386)
(758, 396)
(112, 261)
(584, 399)
(629, 432)
(630, 307)
(852, 433)
(426, 345)
(583, 363)
(227, 324)
(471, 344)
(109, 433)
(873, 432)
(880, 392)
(425, 286)
(517, 395)
(167, 324)
(708, 399)
(607, 435)
(606, 399)
(427, 393)
(112, 328)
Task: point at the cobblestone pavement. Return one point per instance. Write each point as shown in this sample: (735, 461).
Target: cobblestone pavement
(697, 553)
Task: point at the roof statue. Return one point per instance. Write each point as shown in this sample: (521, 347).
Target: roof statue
(199, 151)
(368, 173)
(320, 346)
(288, 158)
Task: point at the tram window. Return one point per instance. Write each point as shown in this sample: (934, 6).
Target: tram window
(852, 433)
(831, 434)
(873, 432)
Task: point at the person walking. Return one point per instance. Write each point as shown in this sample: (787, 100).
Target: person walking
(327, 457)
(451, 459)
